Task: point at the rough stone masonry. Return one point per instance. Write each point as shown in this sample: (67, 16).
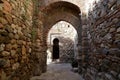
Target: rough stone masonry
(17, 34)
(102, 33)
(23, 44)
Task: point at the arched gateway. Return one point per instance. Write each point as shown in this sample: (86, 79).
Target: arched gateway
(62, 11)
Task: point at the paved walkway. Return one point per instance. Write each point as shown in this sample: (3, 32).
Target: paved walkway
(58, 72)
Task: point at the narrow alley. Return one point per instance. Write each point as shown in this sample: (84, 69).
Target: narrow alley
(82, 35)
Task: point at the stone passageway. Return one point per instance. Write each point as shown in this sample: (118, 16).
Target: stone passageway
(58, 72)
(25, 41)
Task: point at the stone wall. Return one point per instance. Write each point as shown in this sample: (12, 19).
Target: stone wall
(17, 34)
(102, 60)
(66, 34)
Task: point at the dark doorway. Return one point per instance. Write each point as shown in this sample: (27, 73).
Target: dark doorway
(55, 49)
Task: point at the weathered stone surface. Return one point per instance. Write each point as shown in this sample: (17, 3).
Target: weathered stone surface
(118, 2)
(16, 36)
(7, 6)
(9, 18)
(2, 62)
(12, 38)
(2, 47)
(8, 47)
(3, 21)
(4, 39)
(1, 26)
(7, 65)
(5, 53)
(114, 73)
(8, 28)
(117, 42)
(15, 66)
(3, 33)
(18, 18)
(3, 76)
(104, 40)
(118, 30)
(117, 36)
(13, 41)
(108, 36)
(109, 77)
(23, 50)
(15, 46)
(112, 30)
(20, 42)
(115, 20)
(11, 35)
(13, 52)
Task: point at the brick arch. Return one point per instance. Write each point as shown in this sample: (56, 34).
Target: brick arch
(78, 3)
(61, 4)
(63, 16)
(61, 11)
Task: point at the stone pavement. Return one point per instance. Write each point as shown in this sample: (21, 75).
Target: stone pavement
(58, 72)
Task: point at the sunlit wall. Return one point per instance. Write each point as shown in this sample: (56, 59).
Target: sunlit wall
(67, 36)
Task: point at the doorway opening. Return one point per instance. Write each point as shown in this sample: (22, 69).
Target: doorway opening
(55, 54)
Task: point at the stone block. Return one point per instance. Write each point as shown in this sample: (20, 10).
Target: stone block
(15, 66)
(118, 3)
(23, 50)
(5, 53)
(114, 73)
(8, 28)
(7, 65)
(112, 30)
(2, 62)
(105, 51)
(11, 35)
(7, 6)
(13, 41)
(117, 36)
(3, 76)
(108, 36)
(8, 47)
(3, 20)
(103, 13)
(118, 30)
(115, 20)
(13, 52)
(9, 18)
(117, 42)
(1, 26)
(114, 51)
(16, 36)
(109, 77)
(3, 33)
(2, 47)
(14, 46)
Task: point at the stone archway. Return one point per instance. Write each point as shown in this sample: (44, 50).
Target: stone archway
(62, 11)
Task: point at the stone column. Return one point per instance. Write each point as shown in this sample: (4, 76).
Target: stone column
(85, 47)
(39, 47)
(79, 58)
